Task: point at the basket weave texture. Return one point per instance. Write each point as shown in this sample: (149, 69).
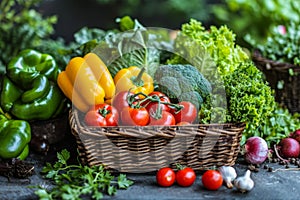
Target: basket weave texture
(275, 72)
(139, 149)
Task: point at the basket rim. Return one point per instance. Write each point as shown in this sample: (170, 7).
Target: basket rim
(143, 132)
(239, 124)
(273, 64)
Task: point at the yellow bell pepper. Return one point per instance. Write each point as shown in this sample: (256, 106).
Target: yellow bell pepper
(133, 79)
(67, 88)
(102, 74)
(86, 81)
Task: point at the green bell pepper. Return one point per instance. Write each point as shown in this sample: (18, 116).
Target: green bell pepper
(15, 136)
(29, 87)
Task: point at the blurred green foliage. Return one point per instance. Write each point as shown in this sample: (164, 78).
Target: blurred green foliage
(161, 12)
(281, 46)
(255, 17)
(21, 27)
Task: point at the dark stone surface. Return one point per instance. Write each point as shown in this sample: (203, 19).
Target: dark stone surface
(281, 184)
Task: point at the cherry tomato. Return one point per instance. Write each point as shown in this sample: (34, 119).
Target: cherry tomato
(102, 115)
(212, 179)
(134, 116)
(187, 114)
(153, 105)
(165, 177)
(165, 118)
(119, 101)
(185, 177)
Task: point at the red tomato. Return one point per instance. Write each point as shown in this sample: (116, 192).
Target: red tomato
(153, 105)
(187, 114)
(212, 180)
(102, 115)
(166, 119)
(185, 177)
(135, 116)
(119, 101)
(165, 177)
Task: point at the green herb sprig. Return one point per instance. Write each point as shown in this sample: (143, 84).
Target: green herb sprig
(75, 181)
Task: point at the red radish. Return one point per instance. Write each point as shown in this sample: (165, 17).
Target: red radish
(256, 150)
(296, 135)
(289, 148)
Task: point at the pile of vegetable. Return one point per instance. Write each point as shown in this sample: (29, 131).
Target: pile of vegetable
(28, 92)
(212, 179)
(29, 89)
(286, 152)
(129, 98)
(249, 98)
(129, 77)
(211, 75)
(236, 91)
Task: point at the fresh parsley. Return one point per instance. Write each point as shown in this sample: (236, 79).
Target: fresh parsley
(75, 181)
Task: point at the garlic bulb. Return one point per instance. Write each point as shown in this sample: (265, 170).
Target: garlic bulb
(244, 183)
(228, 174)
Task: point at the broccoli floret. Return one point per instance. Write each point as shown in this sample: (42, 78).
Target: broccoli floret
(193, 97)
(182, 82)
(196, 79)
(169, 86)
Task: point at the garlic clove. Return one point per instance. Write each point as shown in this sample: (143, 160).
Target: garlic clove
(228, 183)
(229, 174)
(244, 183)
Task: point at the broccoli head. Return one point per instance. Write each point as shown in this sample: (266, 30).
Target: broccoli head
(183, 83)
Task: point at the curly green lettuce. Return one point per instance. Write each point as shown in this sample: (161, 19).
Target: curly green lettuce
(250, 99)
(218, 42)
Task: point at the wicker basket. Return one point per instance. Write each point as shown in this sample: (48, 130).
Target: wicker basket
(139, 149)
(275, 72)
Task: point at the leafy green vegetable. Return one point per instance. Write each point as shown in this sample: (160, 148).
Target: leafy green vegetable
(276, 127)
(219, 43)
(281, 47)
(75, 181)
(21, 28)
(130, 45)
(136, 47)
(183, 83)
(86, 34)
(249, 98)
